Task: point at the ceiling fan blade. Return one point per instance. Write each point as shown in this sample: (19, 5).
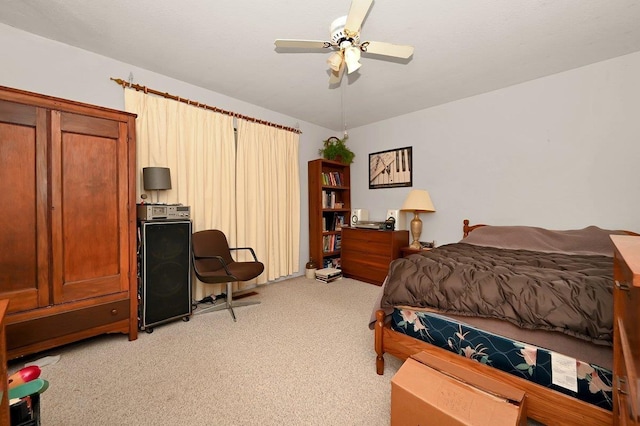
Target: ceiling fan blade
(303, 44)
(336, 76)
(387, 49)
(357, 12)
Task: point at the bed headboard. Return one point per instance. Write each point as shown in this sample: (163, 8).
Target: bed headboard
(466, 228)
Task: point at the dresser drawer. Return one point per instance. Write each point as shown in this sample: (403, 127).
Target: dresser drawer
(363, 271)
(370, 260)
(368, 235)
(364, 247)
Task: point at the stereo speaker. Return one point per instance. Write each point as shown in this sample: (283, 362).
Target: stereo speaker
(358, 215)
(165, 267)
(399, 218)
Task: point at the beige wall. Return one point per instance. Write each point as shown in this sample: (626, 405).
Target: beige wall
(36, 64)
(561, 152)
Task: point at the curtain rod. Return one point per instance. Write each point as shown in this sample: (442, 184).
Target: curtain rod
(145, 89)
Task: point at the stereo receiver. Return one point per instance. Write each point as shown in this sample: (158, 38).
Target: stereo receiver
(163, 211)
(366, 224)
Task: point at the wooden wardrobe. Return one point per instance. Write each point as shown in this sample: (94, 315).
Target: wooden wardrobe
(67, 221)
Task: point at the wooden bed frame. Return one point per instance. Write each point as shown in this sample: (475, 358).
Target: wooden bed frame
(543, 404)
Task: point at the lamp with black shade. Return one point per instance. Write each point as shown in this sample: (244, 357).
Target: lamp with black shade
(156, 179)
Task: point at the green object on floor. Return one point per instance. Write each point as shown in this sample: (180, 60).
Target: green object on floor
(29, 388)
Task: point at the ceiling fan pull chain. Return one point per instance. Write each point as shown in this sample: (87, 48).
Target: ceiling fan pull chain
(343, 89)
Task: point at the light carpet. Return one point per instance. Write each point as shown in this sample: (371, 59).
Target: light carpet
(304, 356)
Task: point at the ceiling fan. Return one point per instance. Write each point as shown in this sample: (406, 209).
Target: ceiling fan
(345, 40)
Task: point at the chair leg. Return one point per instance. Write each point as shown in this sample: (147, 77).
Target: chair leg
(230, 304)
(230, 301)
(212, 308)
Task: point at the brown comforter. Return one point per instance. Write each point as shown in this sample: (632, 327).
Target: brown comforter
(570, 293)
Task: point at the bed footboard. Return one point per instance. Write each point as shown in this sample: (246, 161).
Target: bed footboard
(544, 405)
(378, 342)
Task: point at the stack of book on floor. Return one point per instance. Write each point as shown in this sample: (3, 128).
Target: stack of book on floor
(327, 275)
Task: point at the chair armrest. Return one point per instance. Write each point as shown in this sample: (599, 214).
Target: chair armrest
(246, 248)
(218, 258)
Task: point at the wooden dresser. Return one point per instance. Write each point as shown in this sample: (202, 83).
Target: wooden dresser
(367, 253)
(626, 329)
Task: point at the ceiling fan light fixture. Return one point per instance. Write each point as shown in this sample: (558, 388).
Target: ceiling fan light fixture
(352, 58)
(335, 60)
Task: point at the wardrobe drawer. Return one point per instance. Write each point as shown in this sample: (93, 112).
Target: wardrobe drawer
(51, 327)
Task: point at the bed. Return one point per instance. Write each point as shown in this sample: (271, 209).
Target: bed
(515, 303)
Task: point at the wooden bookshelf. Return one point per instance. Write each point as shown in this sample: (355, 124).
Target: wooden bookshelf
(329, 209)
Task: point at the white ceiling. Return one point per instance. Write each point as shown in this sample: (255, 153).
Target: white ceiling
(462, 47)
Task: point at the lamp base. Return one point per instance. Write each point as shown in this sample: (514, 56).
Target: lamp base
(415, 245)
(416, 230)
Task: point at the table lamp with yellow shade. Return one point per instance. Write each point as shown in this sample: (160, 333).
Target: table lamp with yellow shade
(417, 201)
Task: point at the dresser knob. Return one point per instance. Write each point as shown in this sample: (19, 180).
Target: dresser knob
(622, 285)
(114, 312)
(622, 384)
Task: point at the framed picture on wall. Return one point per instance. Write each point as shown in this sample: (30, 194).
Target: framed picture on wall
(391, 169)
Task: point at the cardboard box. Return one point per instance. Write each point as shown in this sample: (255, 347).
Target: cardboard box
(427, 390)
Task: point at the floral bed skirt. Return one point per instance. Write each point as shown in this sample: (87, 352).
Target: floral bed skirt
(593, 384)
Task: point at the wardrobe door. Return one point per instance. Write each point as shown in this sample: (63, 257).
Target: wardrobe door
(90, 200)
(24, 241)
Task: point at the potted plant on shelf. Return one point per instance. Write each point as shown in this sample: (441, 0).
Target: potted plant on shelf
(337, 150)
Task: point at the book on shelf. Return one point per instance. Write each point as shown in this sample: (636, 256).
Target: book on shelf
(331, 262)
(328, 199)
(332, 221)
(332, 179)
(331, 243)
(336, 178)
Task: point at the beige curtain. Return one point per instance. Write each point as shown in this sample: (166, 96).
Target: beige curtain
(251, 193)
(268, 199)
(198, 146)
